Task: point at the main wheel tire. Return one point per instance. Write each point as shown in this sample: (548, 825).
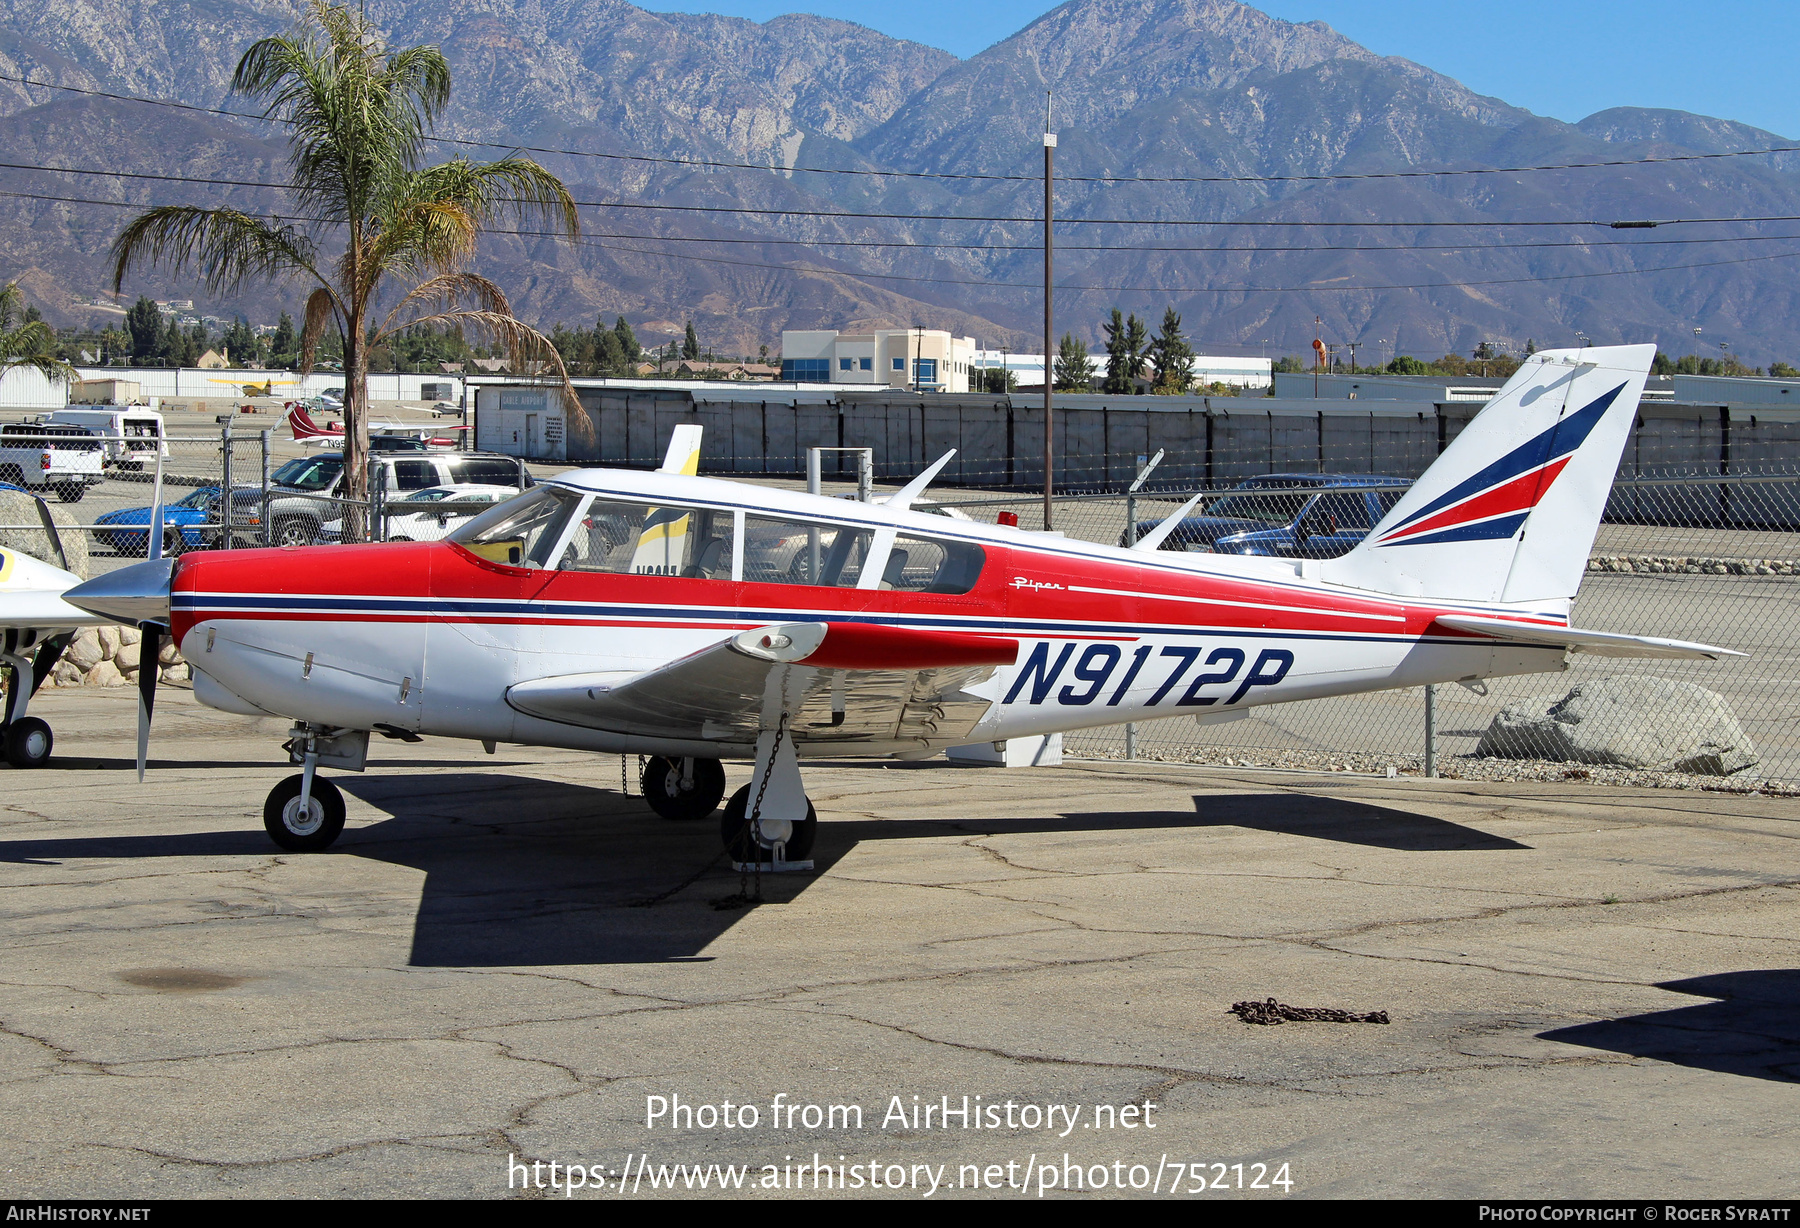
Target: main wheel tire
(296, 531)
(734, 830)
(312, 832)
(70, 492)
(661, 783)
(28, 743)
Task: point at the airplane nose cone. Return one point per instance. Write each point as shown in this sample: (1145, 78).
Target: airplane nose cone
(135, 594)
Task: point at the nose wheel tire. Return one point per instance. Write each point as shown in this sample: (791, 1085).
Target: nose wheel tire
(308, 832)
(27, 743)
(735, 832)
(663, 788)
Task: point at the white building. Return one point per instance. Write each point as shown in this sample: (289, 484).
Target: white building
(919, 359)
(1028, 369)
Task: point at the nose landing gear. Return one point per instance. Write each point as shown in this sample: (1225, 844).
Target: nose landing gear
(25, 741)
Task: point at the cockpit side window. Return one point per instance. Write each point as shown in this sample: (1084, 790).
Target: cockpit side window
(521, 532)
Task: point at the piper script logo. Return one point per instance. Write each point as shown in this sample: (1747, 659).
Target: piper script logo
(1022, 582)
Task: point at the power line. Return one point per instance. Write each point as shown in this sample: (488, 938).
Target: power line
(718, 164)
(770, 240)
(740, 210)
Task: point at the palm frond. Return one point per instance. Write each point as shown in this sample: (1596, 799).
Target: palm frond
(225, 247)
(321, 310)
(524, 344)
(517, 186)
(420, 238)
(446, 292)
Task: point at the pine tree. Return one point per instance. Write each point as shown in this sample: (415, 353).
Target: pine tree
(1171, 357)
(611, 355)
(285, 342)
(145, 324)
(1119, 366)
(628, 343)
(690, 345)
(1074, 369)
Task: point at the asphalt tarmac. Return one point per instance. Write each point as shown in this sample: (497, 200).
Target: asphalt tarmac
(505, 963)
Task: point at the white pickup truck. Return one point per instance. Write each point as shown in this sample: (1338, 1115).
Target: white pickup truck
(44, 456)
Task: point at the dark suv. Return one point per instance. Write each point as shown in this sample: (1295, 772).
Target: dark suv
(1289, 515)
(302, 493)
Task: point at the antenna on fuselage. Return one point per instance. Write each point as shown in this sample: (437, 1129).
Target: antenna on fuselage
(913, 489)
(1155, 537)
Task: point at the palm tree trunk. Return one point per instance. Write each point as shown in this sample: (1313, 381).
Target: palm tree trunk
(356, 426)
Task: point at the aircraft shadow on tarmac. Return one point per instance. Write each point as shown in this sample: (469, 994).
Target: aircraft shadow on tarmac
(524, 872)
(1752, 1029)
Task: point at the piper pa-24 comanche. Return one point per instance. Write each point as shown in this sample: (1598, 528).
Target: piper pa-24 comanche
(697, 619)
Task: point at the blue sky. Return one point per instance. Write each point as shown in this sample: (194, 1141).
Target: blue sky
(1563, 58)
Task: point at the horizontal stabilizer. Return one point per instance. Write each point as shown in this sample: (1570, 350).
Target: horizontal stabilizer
(1598, 643)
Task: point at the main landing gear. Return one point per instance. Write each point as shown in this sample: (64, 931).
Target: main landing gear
(683, 788)
(25, 741)
(769, 824)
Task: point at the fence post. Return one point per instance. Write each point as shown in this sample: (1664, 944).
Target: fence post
(1129, 538)
(1431, 768)
(265, 486)
(225, 485)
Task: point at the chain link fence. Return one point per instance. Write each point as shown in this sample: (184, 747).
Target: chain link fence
(1711, 556)
(1700, 557)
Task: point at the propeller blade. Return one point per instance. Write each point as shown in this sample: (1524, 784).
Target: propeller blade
(148, 649)
(154, 547)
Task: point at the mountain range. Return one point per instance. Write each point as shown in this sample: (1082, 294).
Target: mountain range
(1206, 125)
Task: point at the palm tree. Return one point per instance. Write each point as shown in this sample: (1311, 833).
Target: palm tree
(27, 342)
(357, 117)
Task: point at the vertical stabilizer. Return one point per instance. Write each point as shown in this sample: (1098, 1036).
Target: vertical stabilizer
(1508, 513)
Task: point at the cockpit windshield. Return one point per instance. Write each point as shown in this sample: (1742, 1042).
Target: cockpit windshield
(521, 532)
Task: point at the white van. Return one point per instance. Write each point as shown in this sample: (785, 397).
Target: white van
(139, 431)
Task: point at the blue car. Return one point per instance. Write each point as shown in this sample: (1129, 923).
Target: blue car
(1289, 515)
(190, 523)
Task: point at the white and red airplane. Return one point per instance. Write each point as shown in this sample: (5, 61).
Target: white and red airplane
(697, 619)
(310, 434)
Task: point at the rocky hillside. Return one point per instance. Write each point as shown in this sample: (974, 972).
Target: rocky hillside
(1193, 89)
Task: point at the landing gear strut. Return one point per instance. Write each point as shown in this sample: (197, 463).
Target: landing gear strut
(305, 812)
(25, 741)
(769, 823)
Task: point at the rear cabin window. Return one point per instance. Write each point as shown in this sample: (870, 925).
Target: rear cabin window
(642, 539)
(932, 565)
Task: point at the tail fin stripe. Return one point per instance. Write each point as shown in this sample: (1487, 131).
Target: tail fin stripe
(1519, 495)
(1559, 441)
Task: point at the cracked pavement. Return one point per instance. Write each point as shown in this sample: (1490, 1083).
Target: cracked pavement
(1593, 990)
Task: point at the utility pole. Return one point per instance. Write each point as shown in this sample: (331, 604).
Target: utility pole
(1049, 303)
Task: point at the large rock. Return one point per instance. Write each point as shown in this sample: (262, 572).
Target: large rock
(1626, 722)
(16, 508)
(84, 650)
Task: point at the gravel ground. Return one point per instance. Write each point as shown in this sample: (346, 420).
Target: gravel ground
(1461, 767)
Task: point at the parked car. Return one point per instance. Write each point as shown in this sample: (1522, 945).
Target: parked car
(189, 523)
(410, 523)
(302, 493)
(1289, 515)
(138, 431)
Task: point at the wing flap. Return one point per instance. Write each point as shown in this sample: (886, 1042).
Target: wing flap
(1597, 643)
(838, 682)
